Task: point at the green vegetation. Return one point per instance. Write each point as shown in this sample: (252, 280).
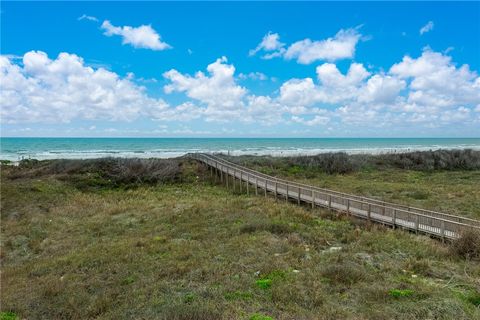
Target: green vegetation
(418, 179)
(184, 248)
(8, 316)
(397, 293)
(260, 317)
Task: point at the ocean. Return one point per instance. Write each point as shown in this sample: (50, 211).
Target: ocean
(15, 149)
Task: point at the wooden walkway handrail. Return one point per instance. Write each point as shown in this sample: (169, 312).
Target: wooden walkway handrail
(430, 222)
(379, 202)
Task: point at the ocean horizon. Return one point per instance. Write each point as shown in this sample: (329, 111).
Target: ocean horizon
(15, 149)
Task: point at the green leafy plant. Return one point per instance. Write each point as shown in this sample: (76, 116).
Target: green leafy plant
(264, 283)
(8, 316)
(399, 293)
(258, 316)
(189, 297)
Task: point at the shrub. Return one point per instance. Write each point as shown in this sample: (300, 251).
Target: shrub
(330, 163)
(434, 160)
(467, 245)
(341, 162)
(103, 172)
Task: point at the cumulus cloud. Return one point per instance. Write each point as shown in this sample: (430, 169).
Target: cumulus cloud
(217, 90)
(270, 42)
(435, 81)
(333, 86)
(426, 28)
(143, 36)
(221, 98)
(306, 51)
(429, 91)
(341, 46)
(63, 89)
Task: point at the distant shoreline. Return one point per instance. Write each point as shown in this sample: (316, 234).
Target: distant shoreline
(235, 154)
(15, 149)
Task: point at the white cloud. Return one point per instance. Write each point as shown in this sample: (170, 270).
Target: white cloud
(253, 76)
(186, 111)
(316, 121)
(381, 89)
(435, 81)
(63, 89)
(426, 28)
(330, 76)
(85, 17)
(333, 87)
(218, 90)
(221, 99)
(341, 46)
(428, 91)
(299, 92)
(143, 36)
(270, 42)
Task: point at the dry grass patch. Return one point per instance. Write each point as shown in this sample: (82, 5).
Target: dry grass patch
(194, 250)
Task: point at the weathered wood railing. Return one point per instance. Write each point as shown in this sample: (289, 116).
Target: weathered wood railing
(445, 226)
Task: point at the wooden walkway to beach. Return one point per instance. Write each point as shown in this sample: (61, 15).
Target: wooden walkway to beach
(437, 224)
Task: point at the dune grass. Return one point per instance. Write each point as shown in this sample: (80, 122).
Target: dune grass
(190, 249)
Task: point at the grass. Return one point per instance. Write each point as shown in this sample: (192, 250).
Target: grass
(189, 249)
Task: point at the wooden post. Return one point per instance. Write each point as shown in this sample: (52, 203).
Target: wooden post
(227, 177)
(442, 231)
(299, 191)
(369, 212)
(276, 188)
(248, 184)
(416, 223)
(348, 206)
(286, 194)
(241, 181)
(265, 187)
(329, 201)
(221, 174)
(394, 218)
(256, 186)
(233, 182)
(313, 199)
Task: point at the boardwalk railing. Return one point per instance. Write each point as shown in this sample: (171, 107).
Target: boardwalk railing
(445, 226)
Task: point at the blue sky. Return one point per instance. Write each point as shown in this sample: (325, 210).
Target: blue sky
(284, 69)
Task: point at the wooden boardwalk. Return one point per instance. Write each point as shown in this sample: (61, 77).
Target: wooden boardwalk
(441, 225)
